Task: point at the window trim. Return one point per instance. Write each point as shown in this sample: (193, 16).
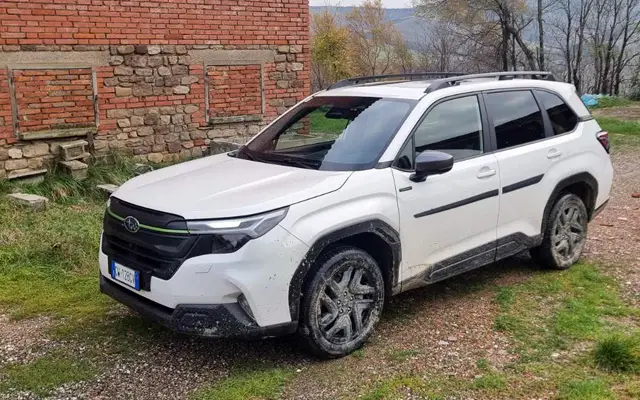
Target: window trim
(375, 163)
(487, 140)
(544, 112)
(541, 103)
(545, 119)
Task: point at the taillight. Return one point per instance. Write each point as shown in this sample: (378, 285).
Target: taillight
(603, 138)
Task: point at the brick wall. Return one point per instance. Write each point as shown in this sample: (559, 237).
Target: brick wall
(235, 90)
(53, 99)
(149, 61)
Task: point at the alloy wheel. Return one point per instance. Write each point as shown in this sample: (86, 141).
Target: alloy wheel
(347, 301)
(569, 233)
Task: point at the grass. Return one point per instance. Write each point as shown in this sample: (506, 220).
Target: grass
(48, 260)
(63, 189)
(359, 354)
(618, 353)
(46, 373)
(618, 126)
(403, 355)
(613, 101)
(320, 124)
(395, 386)
(589, 389)
(554, 309)
(482, 364)
(261, 383)
(490, 381)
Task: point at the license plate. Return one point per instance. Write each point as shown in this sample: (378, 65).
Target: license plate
(125, 275)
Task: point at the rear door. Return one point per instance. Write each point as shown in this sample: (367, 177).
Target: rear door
(525, 150)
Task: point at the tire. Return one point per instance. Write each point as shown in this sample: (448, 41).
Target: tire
(565, 234)
(342, 302)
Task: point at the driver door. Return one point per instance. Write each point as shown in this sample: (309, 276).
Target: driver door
(448, 222)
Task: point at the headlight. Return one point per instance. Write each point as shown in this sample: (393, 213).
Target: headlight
(253, 226)
(229, 235)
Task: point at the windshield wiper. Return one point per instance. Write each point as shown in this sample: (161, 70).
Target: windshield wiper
(301, 162)
(282, 160)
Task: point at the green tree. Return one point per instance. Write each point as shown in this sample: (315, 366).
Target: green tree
(329, 50)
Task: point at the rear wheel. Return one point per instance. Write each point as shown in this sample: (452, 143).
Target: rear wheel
(342, 302)
(565, 235)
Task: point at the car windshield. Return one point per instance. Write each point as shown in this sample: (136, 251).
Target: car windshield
(331, 133)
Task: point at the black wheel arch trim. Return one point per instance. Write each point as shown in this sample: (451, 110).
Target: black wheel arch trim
(583, 177)
(377, 227)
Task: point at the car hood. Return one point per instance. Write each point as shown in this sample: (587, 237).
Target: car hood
(221, 186)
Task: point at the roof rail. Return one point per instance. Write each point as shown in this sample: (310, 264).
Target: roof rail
(447, 82)
(408, 76)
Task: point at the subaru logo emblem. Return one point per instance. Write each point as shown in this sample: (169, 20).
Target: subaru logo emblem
(131, 224)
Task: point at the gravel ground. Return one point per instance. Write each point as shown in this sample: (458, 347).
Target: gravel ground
(413, 329)
(614, 236)
(22, 341)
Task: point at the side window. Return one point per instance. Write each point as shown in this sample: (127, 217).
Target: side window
(516, 117)
(454, 127)
(562, 117)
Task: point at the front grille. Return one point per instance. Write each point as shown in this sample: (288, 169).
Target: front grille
(152, 253)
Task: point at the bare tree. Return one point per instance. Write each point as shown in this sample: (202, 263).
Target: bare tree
(371, 38)
(505, 19)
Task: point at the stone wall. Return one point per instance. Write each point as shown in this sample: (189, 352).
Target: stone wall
(157, 80)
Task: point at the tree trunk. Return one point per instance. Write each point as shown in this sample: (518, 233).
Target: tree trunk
(514, 58)
(531, 59)
(567, 45)
(504, 49)
(541, 37)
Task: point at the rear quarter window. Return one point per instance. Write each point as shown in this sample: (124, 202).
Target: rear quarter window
(562, 117)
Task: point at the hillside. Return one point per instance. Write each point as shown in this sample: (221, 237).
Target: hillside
(403, 18)
(411, 27)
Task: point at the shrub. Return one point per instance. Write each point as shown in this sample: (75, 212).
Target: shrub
(618, 353)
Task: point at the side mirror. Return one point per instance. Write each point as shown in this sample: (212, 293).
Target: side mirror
(431, 163)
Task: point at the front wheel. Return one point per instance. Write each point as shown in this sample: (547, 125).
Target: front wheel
(565, 235)
(342, 302)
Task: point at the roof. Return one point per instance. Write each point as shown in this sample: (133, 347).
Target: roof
(398, 90)
(416, 89)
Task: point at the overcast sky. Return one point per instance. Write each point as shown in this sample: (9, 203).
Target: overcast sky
(385, 3)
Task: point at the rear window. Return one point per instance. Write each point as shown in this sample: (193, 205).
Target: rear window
(562, 117)
(331, 133)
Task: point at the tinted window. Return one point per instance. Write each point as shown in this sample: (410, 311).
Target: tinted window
(331, 133)
(454, 127)
(516, 118)
(561, 115)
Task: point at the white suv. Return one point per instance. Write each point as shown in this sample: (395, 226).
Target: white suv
(356, 194)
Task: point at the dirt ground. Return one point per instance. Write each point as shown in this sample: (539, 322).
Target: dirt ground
(168, 366)
(631, 113)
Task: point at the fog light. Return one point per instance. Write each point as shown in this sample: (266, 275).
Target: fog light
(245, 306)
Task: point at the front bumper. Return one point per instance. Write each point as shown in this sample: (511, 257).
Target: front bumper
(261, 271)
(207, 320)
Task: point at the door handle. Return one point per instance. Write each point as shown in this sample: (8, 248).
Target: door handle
(553, 153)
(486, 173)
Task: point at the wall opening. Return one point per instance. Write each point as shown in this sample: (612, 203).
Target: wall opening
(48, 99)
(235, 92)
